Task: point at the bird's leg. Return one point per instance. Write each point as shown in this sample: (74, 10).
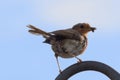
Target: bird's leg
(79, 60)
(56, 56)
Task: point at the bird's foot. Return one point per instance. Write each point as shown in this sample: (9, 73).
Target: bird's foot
(79, 61)
(60, 71)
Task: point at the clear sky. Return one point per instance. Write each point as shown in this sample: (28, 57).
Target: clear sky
(23, 56)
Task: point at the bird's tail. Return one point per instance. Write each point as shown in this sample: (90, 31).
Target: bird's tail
(37, 31)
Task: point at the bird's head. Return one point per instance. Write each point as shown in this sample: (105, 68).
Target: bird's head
(83, 28)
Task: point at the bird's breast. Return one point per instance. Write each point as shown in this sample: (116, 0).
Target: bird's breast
(68, 48)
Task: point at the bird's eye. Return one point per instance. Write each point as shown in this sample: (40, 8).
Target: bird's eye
(81, 26)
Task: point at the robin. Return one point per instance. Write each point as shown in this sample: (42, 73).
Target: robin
(66, 43)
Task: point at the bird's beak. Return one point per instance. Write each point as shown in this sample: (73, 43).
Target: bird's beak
(93, 28)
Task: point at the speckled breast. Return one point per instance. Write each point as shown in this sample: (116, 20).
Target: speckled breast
(68, 48)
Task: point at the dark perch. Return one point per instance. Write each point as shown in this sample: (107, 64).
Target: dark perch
(89, 65)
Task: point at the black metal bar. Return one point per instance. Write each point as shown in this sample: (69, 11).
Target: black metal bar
(89, 65)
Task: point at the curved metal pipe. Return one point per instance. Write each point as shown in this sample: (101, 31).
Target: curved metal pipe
(89, 65)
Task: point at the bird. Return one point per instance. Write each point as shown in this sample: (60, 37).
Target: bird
(66, 43)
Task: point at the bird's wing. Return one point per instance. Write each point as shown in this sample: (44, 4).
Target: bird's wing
(37, 31)
(67, 34)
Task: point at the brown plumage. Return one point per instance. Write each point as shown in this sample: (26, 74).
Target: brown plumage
(66, 43)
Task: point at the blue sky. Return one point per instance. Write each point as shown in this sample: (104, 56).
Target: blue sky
(24, 57)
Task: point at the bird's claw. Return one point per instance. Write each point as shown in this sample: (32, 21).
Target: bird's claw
(79, 61)
(60, 71)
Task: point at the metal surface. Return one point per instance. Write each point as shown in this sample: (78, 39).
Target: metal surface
(89, 65)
